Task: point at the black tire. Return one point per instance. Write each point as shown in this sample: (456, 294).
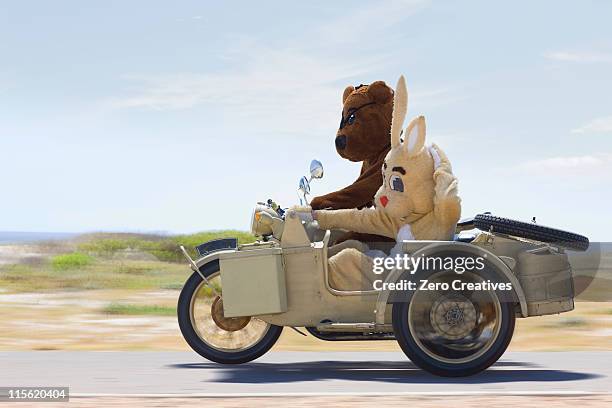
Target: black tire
(424, 361)
(201, 347)
(444, 356)
(570, 240)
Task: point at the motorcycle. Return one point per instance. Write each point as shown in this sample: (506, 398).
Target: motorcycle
(235, 304)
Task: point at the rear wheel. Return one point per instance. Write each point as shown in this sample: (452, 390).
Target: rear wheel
(453, 333)
(213, 336)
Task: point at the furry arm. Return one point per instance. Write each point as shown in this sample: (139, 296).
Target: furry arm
(447, 204)
(357, 195)
(366, 220)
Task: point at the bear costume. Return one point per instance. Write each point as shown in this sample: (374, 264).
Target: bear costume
(363, 136)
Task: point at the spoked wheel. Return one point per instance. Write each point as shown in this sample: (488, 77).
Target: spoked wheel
(454, 333)
(224, 340)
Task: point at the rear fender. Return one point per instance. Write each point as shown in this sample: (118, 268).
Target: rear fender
(430, 249)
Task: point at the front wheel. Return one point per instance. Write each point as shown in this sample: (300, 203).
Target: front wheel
(217, 338)
(454, 333)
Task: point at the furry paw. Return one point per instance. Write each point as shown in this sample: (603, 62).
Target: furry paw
(445, 184)
(319, 203)
(301, 208)
(303, 212)
(439, 157)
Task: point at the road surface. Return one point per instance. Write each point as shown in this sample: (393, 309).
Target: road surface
(300, 373)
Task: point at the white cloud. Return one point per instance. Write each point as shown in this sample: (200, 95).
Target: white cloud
(268, 75)
(596, 165)
(598, 125)
(579, 56)
(263, 83)
(274, 87)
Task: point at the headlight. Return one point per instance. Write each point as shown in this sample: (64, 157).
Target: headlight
(258, 227)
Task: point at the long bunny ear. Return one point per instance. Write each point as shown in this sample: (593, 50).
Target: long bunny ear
(415, 136)
(400, 107)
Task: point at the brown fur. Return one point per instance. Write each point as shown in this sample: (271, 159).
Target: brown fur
(367, 141)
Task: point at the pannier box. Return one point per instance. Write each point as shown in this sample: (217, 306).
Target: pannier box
(546, 278)
(253, 282)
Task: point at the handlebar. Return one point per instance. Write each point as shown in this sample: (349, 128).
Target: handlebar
(280, 211)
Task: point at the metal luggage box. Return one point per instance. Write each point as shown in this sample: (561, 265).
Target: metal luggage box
(253, 282)
(546, 279)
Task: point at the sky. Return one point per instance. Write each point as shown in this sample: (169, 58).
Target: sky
(180, 116)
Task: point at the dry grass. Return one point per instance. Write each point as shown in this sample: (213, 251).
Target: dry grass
(139, 310)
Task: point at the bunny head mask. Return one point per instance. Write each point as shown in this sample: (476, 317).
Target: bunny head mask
(407, 191)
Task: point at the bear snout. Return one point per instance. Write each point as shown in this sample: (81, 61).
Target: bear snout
(341, 142)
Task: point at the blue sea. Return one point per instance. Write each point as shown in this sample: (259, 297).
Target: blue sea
(14, 237)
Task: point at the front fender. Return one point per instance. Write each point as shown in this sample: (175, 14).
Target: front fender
(432, 248)
(213, 257)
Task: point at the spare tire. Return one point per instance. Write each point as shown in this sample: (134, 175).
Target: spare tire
(488, 222)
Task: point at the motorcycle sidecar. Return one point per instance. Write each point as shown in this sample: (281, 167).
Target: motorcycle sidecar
(233, 307)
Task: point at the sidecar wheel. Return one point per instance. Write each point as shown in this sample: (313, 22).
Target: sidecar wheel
(453, 333)
(208, 333)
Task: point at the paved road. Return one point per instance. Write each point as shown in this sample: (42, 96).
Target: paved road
(322, 373)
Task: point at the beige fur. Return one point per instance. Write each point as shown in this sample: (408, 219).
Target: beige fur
(428, 208)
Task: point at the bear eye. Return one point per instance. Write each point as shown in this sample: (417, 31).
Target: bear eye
(351, 119)
(396, 184)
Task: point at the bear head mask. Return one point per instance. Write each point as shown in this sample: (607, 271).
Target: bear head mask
(366, 121)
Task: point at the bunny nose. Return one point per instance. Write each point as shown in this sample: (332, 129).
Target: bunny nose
(384, 200)
(341, 142)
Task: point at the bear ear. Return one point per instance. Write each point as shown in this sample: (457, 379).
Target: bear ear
(415, 136)
(347, 91)
(380, 92)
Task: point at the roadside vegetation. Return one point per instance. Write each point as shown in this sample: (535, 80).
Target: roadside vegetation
(109, 261)
(73, 260)
(164, 248)
(132, 309)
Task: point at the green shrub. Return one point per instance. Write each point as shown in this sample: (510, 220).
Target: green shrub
(105, 245)
(130, 309)
(164, 248)
(173, 253)
(71, 261)
(193, 240)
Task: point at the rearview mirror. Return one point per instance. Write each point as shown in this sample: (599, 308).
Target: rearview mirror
(316, 169)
